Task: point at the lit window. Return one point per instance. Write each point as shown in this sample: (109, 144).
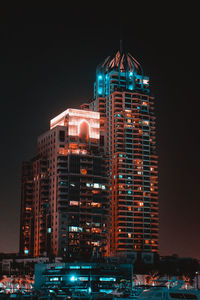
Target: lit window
(54, 278)
(83, 171)
(145, 81)
(96, 185)
(74, 203)
(75, 229)
(96, 230)
(107, 279)
(86, 267)
(95, 204)
(83, 278)
(95, 243)
(146, 123)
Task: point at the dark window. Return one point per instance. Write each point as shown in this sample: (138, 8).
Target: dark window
(61, 136)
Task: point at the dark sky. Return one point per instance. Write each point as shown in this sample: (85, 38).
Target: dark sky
(48, 59)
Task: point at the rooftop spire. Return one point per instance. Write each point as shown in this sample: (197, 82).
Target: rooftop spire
(121, 46)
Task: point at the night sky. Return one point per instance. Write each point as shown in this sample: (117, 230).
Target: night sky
(48, 60)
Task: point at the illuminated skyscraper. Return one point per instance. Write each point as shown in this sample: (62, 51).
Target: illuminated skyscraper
(68, 211)
(92, 188)
(122, 96)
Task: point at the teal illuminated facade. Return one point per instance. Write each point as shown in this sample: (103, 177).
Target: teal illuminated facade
(119, 72)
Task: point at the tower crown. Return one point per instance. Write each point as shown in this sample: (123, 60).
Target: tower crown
(121, 61)
(120, 71)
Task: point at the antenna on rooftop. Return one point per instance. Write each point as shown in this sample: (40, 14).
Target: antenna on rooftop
(121, 46)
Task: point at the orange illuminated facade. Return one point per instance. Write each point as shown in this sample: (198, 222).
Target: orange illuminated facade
(69, 189)
(122, 96)
(94, 180)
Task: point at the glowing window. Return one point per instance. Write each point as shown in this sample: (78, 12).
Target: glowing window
(107, 279)
(96, 185)
(145, 81)
(95, 204)
(84, 131)
(83, 278)
(54, 278)
(75, 229)
(83, 171)
(74, 203)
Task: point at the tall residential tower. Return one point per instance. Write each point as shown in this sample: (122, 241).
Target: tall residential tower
(122, 96)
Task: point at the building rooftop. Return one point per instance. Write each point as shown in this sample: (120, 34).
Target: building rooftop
(121, 61)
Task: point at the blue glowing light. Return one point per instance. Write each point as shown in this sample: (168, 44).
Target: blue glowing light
(26, 251)
(131, 87)
(100, 77)
(107, 279)
(74, 267)
(130, 73)
(73, 278)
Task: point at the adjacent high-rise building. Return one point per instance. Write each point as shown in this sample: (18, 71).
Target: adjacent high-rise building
(67, 213)
(92, 188)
